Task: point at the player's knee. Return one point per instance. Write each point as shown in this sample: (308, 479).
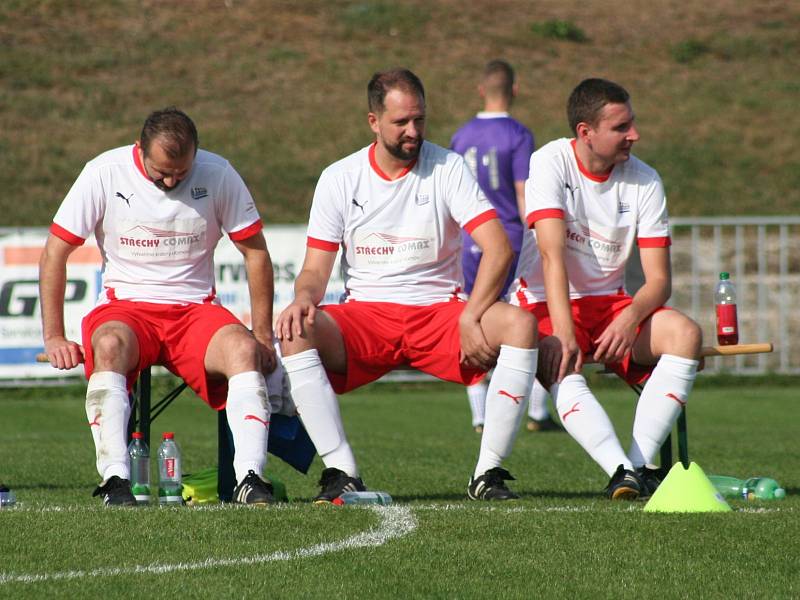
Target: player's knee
(520, 330)
(241, 347)
(693, 335)
(110, 347)
(686, 337)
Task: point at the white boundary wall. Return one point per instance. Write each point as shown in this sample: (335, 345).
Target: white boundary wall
(762, 255)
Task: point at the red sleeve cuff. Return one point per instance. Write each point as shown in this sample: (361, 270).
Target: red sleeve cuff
(655, 242)
(480, 220)
(65, 235)
(322, 244)
(545, 213)
(247, 232)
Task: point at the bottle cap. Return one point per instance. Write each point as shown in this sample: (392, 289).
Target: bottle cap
(137, 435)
(168, 435)
(724, 275)
(779, 493)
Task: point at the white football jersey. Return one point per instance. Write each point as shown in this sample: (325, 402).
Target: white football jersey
(401, 238)
(157, 246)
(603, 218)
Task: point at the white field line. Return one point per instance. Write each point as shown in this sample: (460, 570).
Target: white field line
(470, 506)
(395, 522)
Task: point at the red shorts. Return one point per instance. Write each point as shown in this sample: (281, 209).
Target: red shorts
(381, 336)
(591, 315)
(173, 335)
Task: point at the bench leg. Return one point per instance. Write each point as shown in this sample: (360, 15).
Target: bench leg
(683, 439)
(226, 479)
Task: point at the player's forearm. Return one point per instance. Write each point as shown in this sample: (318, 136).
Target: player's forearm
(52, 284)
(652, 295)
(261, 285)
(489, 280)
(556, 286)
(310, 286)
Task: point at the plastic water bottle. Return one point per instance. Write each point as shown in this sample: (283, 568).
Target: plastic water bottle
(169, 471)
(140, 468)
(363, 498)
(7, 498)
(725, 302)
(755, 488)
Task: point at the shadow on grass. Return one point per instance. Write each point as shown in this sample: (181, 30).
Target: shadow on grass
(524, 495)
(53, 486)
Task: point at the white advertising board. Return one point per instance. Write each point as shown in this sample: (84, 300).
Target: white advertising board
(20, 316)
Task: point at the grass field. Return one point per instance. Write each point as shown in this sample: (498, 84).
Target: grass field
(562, 539)
(278, 87)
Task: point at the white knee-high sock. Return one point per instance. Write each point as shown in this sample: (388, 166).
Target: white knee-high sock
(537, 404)
(476, 394)
(318, 408)
(108, 410)
(505, 404)
(247, 409)
(587, 422)
(663, 397)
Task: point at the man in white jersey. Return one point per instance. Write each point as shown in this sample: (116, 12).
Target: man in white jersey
(157, 209)
(588, 199)
(396, 208)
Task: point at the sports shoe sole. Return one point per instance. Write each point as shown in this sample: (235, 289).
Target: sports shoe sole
(625, 493)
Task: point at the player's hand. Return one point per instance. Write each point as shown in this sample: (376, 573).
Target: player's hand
(616, 341)
(475, 350)
(290, 321)
(63, 353)
(268, 358)
(562, 356)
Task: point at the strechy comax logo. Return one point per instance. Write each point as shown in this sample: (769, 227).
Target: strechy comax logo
(388, 244)
(154, 237)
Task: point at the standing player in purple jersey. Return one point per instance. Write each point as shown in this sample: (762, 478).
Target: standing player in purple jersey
(498, 149)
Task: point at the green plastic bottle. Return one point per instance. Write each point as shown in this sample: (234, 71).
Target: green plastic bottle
(754, 488)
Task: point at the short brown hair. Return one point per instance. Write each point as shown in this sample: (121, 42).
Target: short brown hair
(588, 99)
(498, 79)
(174, 127)
(383, 82)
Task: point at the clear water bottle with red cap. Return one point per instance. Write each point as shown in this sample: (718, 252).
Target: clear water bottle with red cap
(140, 468)
(170, 486)
(727, 320)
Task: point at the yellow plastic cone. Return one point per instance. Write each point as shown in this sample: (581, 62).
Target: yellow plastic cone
(686, 490)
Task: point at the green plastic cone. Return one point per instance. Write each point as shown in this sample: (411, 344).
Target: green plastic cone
(686, 490)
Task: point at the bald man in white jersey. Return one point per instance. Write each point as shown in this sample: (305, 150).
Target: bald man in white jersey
(396, 208)
(157, 209)
(588, 200)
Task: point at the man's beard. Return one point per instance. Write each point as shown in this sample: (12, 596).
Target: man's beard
(397, 151)
(159, 183)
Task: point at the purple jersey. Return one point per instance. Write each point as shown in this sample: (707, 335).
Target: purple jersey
(498, 150)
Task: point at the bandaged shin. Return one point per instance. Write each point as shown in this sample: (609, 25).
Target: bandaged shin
(108, 410)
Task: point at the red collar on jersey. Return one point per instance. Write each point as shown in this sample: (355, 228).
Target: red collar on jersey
(138, 162)
(585, 171)
(374, 164)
